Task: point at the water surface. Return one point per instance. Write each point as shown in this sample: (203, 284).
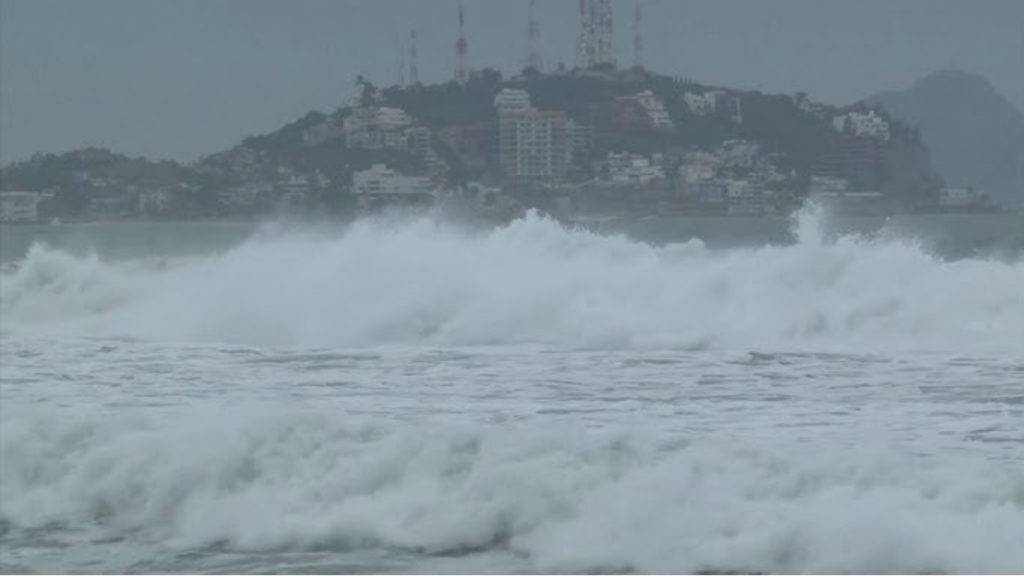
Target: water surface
(401, 396)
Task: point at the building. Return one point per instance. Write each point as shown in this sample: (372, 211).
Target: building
(19, 206)
(713, 102)
(869, 125)
(696, 166)
(734, 109)
(381, 181)
(962, 198)
(512, 100)
(418, 141)
(702, 104)
(541, 150)
(741, 154)
(745, 199)
(853, 158)
(532, 144)
(509, 103)
(827, 186)
(643, 108)
(657, 115)
(581, 139)
(626, 168)
(377, 128)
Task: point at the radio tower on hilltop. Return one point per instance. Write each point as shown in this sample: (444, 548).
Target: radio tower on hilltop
(638, 39)
(400, 75)
(461, 50)
(414, 70)
(533, 58)
(594, 44)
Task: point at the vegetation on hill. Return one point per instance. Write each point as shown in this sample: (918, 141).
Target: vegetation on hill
(975, 135)
(797, 137)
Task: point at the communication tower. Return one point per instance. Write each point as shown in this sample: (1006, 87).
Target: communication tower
(533, 58)
(594, 44)
(414, 70)
(461, 50)
(638, 39)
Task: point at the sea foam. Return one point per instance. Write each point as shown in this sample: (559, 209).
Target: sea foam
(167, 444)
(533, 281)
(555, 498)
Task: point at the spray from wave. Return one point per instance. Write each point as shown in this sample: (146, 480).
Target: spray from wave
(531, 282)
(260, 480)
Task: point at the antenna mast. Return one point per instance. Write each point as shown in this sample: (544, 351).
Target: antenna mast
(401, 63)
(414, 70)
(638, 39)
(461, 50)
(584, 38)
(594, 45)
(534, 59)
(605, 26)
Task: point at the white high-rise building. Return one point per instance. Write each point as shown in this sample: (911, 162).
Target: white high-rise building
(532, 144)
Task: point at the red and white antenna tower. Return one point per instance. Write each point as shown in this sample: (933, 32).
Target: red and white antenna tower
(461, 50)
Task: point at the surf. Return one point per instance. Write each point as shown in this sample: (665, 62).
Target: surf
(535, 281)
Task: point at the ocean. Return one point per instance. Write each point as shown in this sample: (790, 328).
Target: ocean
(408, 394)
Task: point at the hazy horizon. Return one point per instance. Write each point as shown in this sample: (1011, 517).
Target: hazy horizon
(183, 79)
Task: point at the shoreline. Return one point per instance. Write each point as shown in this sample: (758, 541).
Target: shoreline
(574, 218)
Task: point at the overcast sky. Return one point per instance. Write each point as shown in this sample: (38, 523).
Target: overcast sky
(181, 78)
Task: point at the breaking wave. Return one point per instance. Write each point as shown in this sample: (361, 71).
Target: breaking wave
(549, 499)
(533, 281)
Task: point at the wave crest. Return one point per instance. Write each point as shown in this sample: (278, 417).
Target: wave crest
(533, 281)
(260, 479)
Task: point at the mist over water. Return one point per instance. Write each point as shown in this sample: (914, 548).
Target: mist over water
(412, 395)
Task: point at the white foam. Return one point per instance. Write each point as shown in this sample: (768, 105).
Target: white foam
(532, 281)
(565, 499)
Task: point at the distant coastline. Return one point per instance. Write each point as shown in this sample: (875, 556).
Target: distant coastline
(599, 141)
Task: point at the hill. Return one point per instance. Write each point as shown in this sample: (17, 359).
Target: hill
(621, 133)
(976, 136)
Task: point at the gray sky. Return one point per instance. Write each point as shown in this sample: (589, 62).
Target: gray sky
(181, 78)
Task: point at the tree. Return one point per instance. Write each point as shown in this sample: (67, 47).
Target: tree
(367, 91)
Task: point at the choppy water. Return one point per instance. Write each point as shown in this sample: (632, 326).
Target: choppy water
(408, 396)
